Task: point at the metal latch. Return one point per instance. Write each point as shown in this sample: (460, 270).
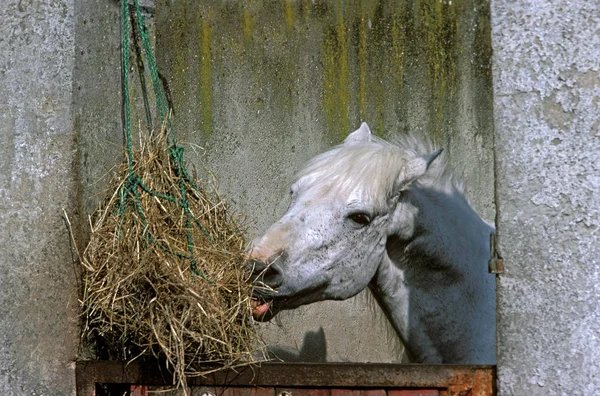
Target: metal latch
(496, 262)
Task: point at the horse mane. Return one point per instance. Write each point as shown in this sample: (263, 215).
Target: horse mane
(375, 166)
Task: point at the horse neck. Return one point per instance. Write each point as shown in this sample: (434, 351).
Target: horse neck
(434, 287)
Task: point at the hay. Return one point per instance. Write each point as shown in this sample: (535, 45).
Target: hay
(140, 298)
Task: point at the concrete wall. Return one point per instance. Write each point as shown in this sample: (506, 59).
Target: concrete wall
(38, 299)
(547, 120)
(60, 132)
(260, 87)
(97, 95)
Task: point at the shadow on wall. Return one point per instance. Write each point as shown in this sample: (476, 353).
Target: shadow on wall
(314, 349)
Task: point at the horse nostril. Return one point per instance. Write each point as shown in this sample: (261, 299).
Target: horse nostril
(256, 266)
(268, 273)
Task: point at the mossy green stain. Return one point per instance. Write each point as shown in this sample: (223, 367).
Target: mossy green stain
(305, 12)
(362, 64)
(438, 23)
(336, 76)
(247, 24)
(289, 14)
(398, 48)
(379, 59)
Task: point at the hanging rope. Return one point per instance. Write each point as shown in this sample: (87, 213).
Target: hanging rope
(129, 194)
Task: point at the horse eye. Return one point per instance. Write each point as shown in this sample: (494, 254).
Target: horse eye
(360, 218)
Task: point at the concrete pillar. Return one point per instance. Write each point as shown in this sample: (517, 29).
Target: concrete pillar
(60, 131)
(38, 294)
(547, 106)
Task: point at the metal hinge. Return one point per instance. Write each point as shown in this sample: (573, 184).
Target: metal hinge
(496, 262)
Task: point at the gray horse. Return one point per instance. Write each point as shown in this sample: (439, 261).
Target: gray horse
(390, 217)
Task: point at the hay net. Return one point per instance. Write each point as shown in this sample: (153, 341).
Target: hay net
(163, 273)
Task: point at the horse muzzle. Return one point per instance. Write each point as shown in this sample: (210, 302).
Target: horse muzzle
(267, 278)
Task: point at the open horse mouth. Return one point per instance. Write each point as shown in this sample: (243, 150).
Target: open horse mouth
(262, 311)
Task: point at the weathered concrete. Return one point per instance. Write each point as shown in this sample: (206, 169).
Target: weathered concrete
(260, 87)
(97, 96)
(60, 133)
(547, 106)
(38, 299)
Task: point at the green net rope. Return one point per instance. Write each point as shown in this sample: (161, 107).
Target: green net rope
(129, 193)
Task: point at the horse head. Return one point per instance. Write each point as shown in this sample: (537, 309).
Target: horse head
(330, 242)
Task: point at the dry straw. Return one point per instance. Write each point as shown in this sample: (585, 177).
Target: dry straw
(140, 296)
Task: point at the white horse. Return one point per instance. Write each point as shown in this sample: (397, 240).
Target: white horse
(371, 213)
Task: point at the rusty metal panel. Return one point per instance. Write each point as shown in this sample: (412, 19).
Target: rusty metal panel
(455, 380)
(244, 391)
(414, 392)
(302, 392)
(355, 392)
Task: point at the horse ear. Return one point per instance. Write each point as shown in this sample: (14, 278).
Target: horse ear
(361, 135)
(414, 169)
